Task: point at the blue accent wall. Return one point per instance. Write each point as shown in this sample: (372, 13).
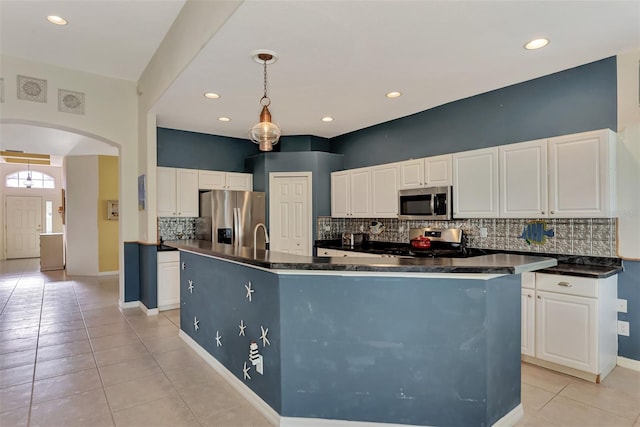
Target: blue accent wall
(192, 150)
(131, 272)
(579, 99)
(149, 275)
(629, 289)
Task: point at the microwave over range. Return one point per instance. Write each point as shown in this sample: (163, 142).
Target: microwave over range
(430, 203)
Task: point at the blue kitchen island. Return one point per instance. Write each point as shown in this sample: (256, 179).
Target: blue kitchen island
(375, 340)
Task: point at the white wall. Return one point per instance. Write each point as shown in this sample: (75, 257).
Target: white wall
(628, 161)
(82, 215)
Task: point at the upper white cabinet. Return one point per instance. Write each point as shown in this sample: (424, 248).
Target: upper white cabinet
(582, 174)
(216, 180)
(177, 192)
(351, 193)
(523, 179)
(384, 183)
(426, 172)
(475, 183)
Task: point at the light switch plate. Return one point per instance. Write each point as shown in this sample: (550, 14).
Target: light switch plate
(621, 305)
(623, 328)
(483, 231)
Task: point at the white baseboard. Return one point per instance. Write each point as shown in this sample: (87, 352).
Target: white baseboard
(130, 304)
(168, 306)
(256, 401)
(628, 363)
(108, 273)
(275, 419)
(148, 311)
(511, 418)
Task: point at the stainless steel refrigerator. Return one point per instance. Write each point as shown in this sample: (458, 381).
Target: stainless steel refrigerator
(230, 217)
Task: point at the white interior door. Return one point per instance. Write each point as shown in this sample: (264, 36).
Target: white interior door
(23, 225)
(290, 212)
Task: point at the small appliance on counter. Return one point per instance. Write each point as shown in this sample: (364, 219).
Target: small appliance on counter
(354, 239)
(429, 242)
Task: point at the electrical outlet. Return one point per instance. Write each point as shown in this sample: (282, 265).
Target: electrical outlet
(362, 228)
(621, 305)
(483, 231)
(623, 328)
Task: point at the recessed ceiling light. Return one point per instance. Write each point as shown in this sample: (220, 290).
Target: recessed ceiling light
(211, 95)
(327, 119)
(54, 19)
(536, 44)
(224, 119)
(393, 94)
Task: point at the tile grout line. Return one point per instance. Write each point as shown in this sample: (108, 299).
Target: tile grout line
(33, 376)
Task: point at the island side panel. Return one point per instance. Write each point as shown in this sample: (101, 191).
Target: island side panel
(219, 301)
(395, 350)
(503, 366)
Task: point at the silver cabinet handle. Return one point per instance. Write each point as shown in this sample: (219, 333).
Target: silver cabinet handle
(565, 284)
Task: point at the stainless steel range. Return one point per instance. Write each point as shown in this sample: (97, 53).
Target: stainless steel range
(431, 242)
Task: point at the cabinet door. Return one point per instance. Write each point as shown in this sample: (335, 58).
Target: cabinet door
(239, 181)
(360, 180)
(211, 180)
(437, 171)
(566, 330)
(527, 322)
(411, 174)
(523, 180)
(340, 194)
(581, 176)
(475, 184)
(384, 184)
(168, 285)
(187, 192)
(166, 191)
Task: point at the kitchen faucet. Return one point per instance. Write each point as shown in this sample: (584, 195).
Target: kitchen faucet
(255, 235)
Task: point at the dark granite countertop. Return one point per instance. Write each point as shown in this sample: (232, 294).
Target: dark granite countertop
(568, 265)
(162, 247)
(484, 264)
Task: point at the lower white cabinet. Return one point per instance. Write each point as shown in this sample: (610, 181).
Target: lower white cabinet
(348, 254)
(168, 280)
(574, 325)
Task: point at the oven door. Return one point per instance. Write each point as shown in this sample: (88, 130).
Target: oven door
(415, 204)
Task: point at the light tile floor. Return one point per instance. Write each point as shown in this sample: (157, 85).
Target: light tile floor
(70, 357)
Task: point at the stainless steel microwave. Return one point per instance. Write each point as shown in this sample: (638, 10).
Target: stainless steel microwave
(430, 203)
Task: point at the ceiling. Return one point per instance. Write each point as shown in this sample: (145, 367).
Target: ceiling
(336, 58)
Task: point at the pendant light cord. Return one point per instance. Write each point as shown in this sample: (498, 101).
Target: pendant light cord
(264, 96)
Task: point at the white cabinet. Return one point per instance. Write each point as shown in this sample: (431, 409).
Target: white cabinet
(168, 280)
(177, 192)
(347, 254)
(575, 324)
(528, 303)
(475, 183)
(523, 179)
(426, 172)
(351, 193)
(384, 194)
(582, 174)
(217, 180)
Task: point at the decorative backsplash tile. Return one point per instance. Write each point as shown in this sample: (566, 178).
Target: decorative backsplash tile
(171, 228)
(571, 236)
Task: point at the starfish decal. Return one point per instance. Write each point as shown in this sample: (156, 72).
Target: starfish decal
(249, 290)
(242, 327)
(196, 323)
(218, 339)
(190, 286)
(263, 336)
(184, 265)
(245, 371)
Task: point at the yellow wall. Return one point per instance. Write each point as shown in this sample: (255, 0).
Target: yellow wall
(107, 229)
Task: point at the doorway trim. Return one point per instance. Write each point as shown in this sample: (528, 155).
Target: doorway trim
(309, 176)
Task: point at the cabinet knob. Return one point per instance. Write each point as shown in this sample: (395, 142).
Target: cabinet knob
(552, 212)
(344, 255)
(542, 212)
(529, 296)
(539, 297)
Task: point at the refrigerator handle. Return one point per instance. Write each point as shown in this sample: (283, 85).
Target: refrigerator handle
(236, 227)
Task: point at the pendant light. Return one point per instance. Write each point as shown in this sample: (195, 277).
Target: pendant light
(266, 133)
(28, 182)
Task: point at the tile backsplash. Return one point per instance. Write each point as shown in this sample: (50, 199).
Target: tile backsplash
(170, 228)
(571, 236)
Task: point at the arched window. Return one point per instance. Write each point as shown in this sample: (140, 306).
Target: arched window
(38, 179)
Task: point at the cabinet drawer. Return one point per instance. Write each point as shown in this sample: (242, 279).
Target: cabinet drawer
(569, 285)
(168, 256)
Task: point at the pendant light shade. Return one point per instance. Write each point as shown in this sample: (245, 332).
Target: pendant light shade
(265, 133)
(28, 182)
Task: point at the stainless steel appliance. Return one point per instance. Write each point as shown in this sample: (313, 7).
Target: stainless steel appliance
(430, 203)
(449, 242)
(230, 217)
(353, 239)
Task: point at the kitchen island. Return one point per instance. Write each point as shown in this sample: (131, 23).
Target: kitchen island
(397, 341)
